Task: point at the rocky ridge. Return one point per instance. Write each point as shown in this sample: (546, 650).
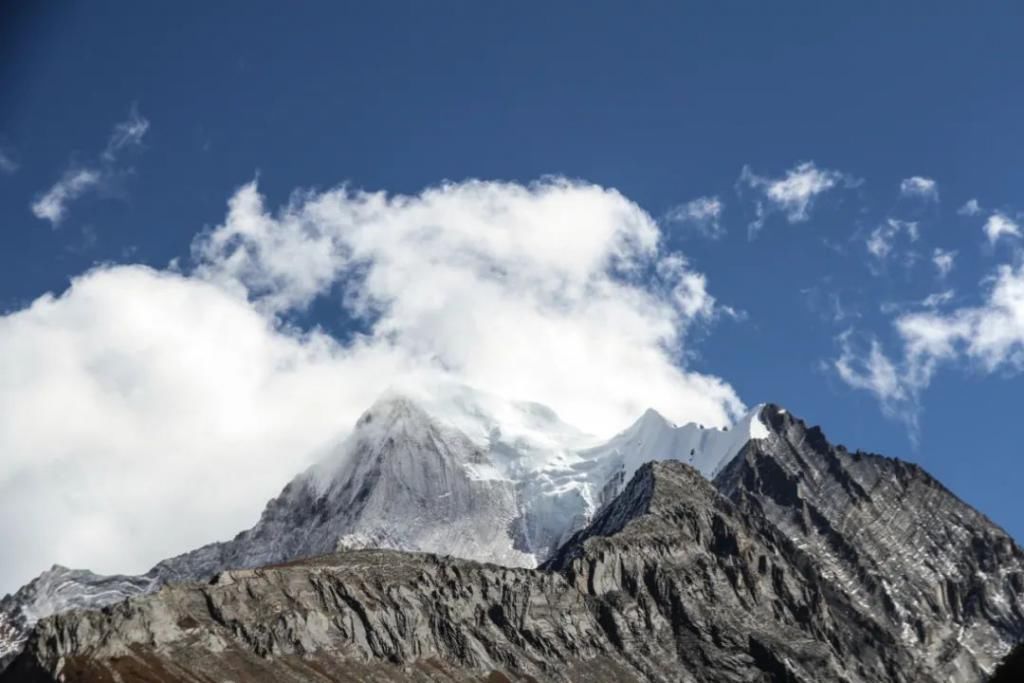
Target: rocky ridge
(687, 588)
(799, 562)
(916, 560)
(461, 473)
(677, 579)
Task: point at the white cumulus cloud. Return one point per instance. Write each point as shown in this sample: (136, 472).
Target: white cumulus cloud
(794, 193)
(1000, 225)
(144, 412)
(920, 187)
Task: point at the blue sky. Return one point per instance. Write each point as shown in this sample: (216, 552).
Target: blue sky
(864, 132)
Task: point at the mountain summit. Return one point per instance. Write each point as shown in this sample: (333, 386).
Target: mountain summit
(459, 472)
(758, 552)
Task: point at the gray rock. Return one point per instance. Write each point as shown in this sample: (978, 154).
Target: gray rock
(927, 569)
(800, 562)
(57, 590)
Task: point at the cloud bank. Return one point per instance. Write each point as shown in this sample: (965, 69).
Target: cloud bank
(144, 412)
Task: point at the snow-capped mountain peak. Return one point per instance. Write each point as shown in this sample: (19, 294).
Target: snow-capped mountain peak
(652, 419)
(456, 471)
(394, 428)
(653, 437)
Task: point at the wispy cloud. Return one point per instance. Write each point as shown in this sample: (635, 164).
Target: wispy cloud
(944, 261)
(702, 214)
(881, 241)
(828, 304)
(76, 181)
(920, 187)
(938, 299)
(52, 205)
(7, 164)
(988, 336)
(872, 371)
(793, 194)
(970, 208)
(126, 133)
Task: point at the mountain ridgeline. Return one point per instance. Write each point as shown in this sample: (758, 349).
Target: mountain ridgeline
(435, 549)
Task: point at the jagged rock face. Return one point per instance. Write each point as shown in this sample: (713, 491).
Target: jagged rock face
(494, 481)
(404, 482)
(721, 588)
(56, 590)
(358, 616)
(926, 568)
(800, 562)
(672, 582)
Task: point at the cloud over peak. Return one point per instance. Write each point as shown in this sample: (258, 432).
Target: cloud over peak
(559, 292)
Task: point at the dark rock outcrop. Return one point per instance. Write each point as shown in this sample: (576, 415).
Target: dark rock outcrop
(801, 562)
(929, 571)
(685, 588)
(1011, 669)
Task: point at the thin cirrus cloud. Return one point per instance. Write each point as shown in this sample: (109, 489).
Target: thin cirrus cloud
(880, 242)
(871, 370)
(793, 194)
(702, 214)
(77, 181)
(920, 187)
(53, 204)
(970, 208)
(988, 336)
(8, 165)
(126, 390)
(127, 133)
